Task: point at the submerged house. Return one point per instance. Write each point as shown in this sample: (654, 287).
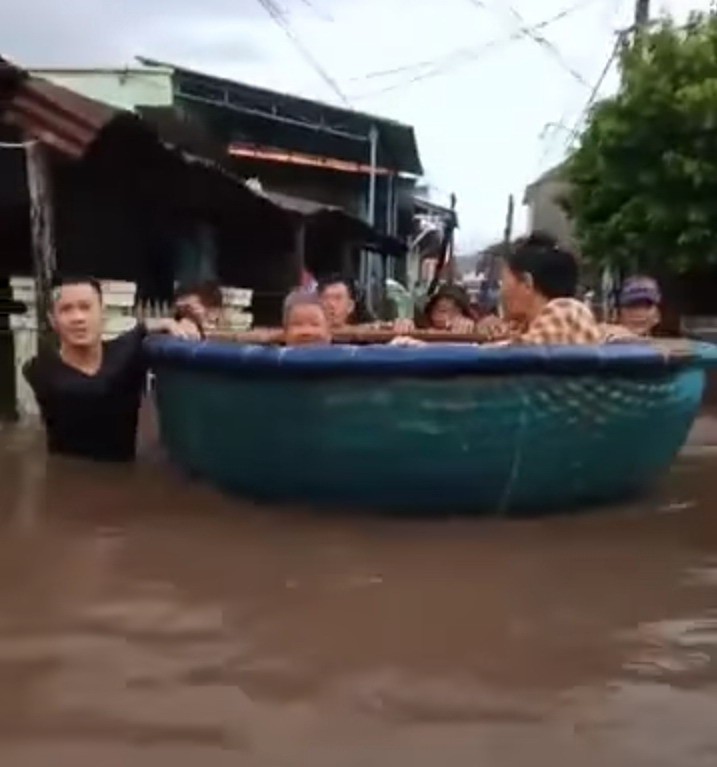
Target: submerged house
(121, 197)
(90, 189)
(123, 204)
(310, 156)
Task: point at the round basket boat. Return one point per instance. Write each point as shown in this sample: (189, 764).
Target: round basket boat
(441, 428)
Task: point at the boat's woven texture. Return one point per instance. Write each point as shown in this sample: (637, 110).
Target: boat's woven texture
(480, 443)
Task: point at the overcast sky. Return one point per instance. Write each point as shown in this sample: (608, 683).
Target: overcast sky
(491, 109)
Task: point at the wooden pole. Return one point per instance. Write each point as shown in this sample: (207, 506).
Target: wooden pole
(446, 243)
(44, 259)
(300, 249)
(509, 216)
(452, 243)
(642, 14)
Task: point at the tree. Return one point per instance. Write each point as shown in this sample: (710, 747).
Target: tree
(644, 177)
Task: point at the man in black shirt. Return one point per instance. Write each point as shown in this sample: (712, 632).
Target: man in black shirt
(89, 391)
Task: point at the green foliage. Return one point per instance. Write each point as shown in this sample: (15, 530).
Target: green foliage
(644, 177)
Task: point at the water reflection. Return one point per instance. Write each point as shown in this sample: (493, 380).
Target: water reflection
(146, 620)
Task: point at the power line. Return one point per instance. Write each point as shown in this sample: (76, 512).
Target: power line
(539, 39)
(318, 11)
(279, 18)
(551, 131)
(595, 90)
(448, 66)
(466, 54)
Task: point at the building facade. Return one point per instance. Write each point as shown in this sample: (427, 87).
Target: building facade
(545, 212)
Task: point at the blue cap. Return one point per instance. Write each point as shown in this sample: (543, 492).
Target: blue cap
(640, 290)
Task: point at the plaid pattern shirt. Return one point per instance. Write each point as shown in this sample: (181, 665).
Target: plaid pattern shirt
(563, 321)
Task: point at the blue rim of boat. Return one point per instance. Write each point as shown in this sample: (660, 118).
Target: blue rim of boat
(431, 360)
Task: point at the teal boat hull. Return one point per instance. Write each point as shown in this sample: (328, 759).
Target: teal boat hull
(387, 429)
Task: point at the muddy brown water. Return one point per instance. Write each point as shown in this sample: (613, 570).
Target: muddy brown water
(146, 620)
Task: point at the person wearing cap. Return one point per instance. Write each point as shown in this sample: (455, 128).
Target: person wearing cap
(639, 305)
(449, 309)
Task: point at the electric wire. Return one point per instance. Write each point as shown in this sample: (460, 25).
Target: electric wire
(462, 56)
(280, 19)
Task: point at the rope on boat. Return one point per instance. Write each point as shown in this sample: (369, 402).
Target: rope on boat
(517, 461)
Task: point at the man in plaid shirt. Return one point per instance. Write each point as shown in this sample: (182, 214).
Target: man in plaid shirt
(538, 284)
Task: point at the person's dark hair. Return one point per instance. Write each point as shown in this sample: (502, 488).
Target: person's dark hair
(337, 279)
(554, 269)
(208, 292)
(61, 280)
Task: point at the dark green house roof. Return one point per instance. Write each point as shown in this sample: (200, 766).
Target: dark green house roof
(261, 117)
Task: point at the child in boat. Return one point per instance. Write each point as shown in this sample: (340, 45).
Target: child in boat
(639, 305)
(305, 320)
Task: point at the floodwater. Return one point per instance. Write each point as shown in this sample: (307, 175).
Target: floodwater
(147, 621)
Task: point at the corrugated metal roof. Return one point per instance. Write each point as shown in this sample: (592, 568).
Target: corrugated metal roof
(51, 114)
(71, 123)
(397, 149)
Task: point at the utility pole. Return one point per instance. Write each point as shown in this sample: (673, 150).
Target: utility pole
(508, 231)
(44, 258)
(642, 15)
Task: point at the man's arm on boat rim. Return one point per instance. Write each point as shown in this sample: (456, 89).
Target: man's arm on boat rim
(184, 328)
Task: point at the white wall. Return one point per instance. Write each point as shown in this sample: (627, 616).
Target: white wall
(545, 213)
(121, 88)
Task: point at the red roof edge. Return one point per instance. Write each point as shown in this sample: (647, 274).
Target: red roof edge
(56, 116)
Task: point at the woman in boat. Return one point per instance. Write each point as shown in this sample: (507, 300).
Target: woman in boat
(89, 390)
(639, 305)
(449, 309)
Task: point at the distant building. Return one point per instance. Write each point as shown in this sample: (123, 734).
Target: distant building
(545, 212)
(431, 224)
(295, 146)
